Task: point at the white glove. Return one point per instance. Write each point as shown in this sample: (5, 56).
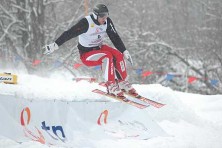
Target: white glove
(128, 56)
(50, 48)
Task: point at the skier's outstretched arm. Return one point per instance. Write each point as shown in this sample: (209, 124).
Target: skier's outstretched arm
(114, 36)
(74, 31)
(116, 40)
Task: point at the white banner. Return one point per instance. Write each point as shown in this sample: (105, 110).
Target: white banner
(57, 122)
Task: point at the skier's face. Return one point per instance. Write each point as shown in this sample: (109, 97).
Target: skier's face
(102, 20)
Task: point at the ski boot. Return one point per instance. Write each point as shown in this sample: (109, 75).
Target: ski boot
(113, 89)
(125, 86)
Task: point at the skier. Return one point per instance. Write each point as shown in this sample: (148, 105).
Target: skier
(91, 31)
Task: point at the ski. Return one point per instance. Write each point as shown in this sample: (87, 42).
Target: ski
(141, 98)
(146, 100)
(122, 99)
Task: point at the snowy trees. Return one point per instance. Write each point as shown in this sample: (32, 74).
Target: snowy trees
(191, 33)
(22, 24)
(180, 37)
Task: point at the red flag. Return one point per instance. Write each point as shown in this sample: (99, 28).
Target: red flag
(191, 79)
(147, 73)
(36, 62)
(77, 65)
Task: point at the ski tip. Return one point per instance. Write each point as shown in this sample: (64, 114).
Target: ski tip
(160, 105)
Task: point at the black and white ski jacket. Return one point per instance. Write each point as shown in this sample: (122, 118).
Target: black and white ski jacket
(91, 34)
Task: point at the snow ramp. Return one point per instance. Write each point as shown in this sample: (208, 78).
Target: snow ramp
(56, 122)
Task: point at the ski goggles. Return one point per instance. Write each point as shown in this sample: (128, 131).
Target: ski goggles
(104, 14)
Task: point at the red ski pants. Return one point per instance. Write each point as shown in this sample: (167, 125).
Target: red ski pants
(111, 60)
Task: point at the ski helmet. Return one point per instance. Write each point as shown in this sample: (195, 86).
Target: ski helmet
(101, 10)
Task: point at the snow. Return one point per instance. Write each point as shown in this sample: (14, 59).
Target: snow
(190, 120)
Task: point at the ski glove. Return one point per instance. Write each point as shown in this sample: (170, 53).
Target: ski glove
(50, 48)
(128, 56)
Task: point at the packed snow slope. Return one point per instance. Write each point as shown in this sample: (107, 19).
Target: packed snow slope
(56, 111)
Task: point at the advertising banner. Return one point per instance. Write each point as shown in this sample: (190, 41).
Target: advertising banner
(8, 78)
(57, 122)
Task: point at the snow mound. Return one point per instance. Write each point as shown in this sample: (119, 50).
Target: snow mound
(68, 114)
